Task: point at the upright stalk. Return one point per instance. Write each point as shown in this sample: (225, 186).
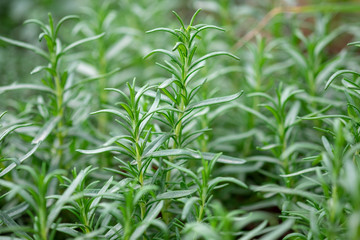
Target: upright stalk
(182, 67)
(103, 118)
(60, 114)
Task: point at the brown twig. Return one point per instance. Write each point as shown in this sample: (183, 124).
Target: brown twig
(299, 9)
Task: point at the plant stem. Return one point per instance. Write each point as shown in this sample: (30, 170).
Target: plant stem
(141, 175)
(102, 85)
(60, 114)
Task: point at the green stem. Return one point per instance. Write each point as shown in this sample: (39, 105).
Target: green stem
(60, 114)
(42, 215)
(178, 133)
(141, 176)
(103, 118)
(203, 202)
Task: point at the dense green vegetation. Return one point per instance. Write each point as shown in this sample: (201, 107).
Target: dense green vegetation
(179, 120)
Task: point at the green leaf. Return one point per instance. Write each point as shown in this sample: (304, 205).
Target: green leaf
(259, 115)
(222, 159)
(254, 232)
(16, 210)
(155, 144)
(11, 223)
(194, 16)
(91, 79)
(46, 130)
(180, 20)
(214, 182)
(99, 150)
(326, 40)
(175, 194)
(199, 230)
(279, 230)
(163, 30)
(187, 207)
(64, 198)
(166, 52)
(22, 159)
(39, 23)
(115, 112)
(96, 201)
(143, 190)
(19, 189)
(12, 128)
(327, 146)
(297, 56)
(39, 69)
(357, 44)
(25, 86)
(150, 216)
(292, 114)
(302, 172)
(187, 171)
(195, 155)
(166, 83)
(290, 191)
(204, 28)
(295, 236)
(113, 230)
(164, 98)
(210, 55)
(338, 73)
(26, 46)
(61, 21)
(2, 114)
(299, 147)
(213, 101)
(82, 41)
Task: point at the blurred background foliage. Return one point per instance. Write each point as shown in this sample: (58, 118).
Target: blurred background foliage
(239, 17)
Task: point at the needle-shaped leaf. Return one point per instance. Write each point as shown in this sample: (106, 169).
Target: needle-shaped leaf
(64, 198)
(100, 150)
(155, 144)
(175, 194)
(30, 47)
(96, 201)
(61, 21)
(259, 115)
(279, 230)
(166, 52)
(11, 129)
(2, 114)
(204, 28)
(151, 215)
(188, 206)
(272, 188)
(82, 41)
(184, 170)
(214, 101)
(254, 232)
(192, 154)
(166, 83)
(313, 169)
(22, 159)
(161, 29)
(299, 147)
(338, 73)
(5, 218)
(25, 86)
(210, 55)
(214, 182)
(46, 130)
(115, 112)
